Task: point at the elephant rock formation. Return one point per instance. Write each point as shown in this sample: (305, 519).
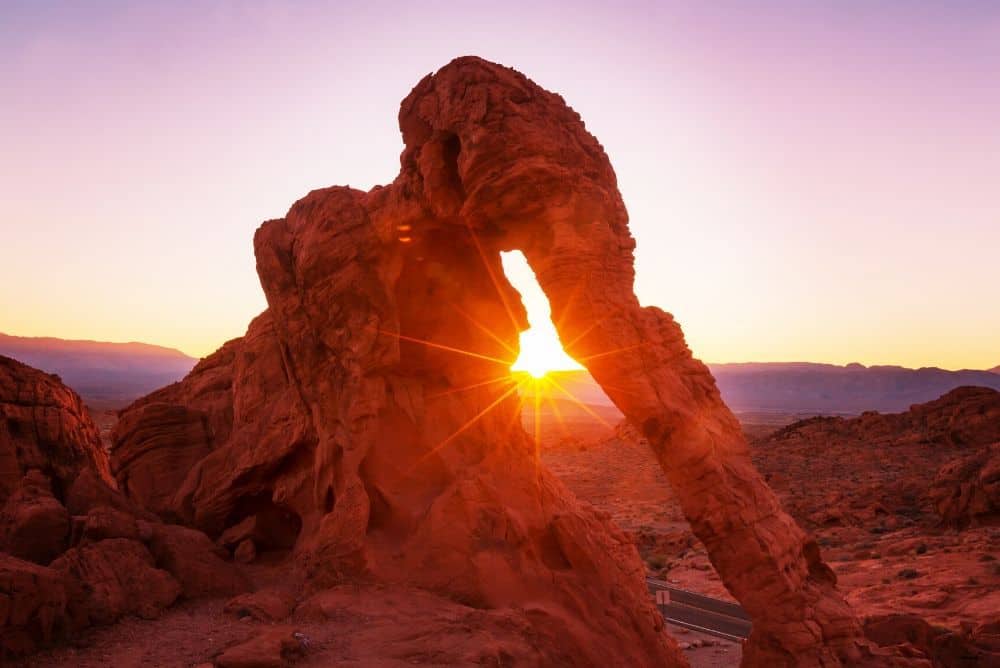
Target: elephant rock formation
(367, 418)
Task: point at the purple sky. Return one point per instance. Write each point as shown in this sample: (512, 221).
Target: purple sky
(806, 181)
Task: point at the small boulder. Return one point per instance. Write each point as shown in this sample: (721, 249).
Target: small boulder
(272, 528)
(277, 647)
(32, 605)
(105, 522)
(966, 491)
(267, 605)
(192, 558)
(236, 534)
(245, 552)
(33, 524)
(112, 578)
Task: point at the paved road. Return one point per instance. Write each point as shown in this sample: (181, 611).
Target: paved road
(701, 613)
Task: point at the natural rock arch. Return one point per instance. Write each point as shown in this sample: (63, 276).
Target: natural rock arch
(489, 150)
(372, 398)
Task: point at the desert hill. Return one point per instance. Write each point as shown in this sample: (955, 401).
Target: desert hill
(874, 458)
(827, 388)
(811, 388)
(104, 374)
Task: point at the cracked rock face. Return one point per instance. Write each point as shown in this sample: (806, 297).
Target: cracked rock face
(44, 426)
(370, 410)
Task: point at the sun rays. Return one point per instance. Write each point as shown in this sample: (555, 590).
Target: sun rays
(543, 391)
(530, 375)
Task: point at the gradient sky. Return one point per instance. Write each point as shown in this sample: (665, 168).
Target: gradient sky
(806, 181)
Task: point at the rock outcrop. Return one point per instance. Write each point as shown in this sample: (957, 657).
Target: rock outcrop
(112, 578)
(977, 646)
(75, 552)
(32, 605)
(963, 417)
(870, 460)
(33, 524)
(371, 404)
(44, 426)
(966, 491)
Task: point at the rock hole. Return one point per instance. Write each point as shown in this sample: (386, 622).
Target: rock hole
(451, 147)
(541, 350)
(552, 553)
(379, 510)
(275, 528)
(559, 394)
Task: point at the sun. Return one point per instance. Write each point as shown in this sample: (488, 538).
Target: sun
(541, 353)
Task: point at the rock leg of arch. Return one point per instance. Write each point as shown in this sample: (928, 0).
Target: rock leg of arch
(487, 147)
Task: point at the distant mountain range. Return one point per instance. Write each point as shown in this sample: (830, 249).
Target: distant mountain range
(809, 388)
(827, 388)
(113, 374)
(105, 374)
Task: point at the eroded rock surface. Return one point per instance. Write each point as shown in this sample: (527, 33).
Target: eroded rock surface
(33, 524)
(113, 578)
(44, 426)
(32, 605)
(871, 458)
(966, 491)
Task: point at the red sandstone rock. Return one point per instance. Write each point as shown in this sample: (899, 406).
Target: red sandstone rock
(274, 648)
(112, 578)
(44, 425)
(269, 605)
(967, 490)
(397, 625)
(32, 605)
(963, 417)
(865, 465)
(155, 446)
(89, 491)
(192, 558)
(245, 552)
(103, 522)
(45, 432)
(33, 524)
(946, 649)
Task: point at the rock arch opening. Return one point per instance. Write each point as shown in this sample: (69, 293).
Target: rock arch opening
(561, 402)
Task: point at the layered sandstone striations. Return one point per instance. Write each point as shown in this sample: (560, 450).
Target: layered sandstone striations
(44, 426)
(370, 406)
